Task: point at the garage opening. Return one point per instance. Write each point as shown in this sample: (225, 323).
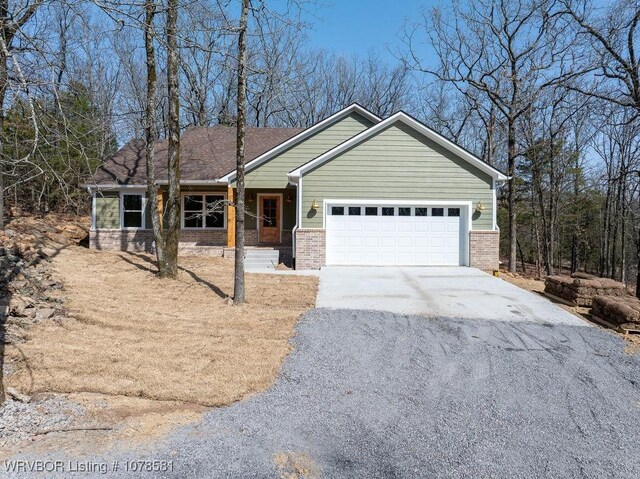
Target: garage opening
(377, 233)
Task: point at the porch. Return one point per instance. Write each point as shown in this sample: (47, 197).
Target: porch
(121, 220)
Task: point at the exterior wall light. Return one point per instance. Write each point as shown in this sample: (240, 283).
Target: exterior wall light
(314, 205)
(480, 206)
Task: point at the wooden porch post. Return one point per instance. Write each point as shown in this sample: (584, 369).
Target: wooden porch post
(160, 206)
(231, 218)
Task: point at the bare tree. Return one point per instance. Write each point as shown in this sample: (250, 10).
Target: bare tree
(501, 49)
(151, 135)
(12, 20)
(241, 122)
(169, 267)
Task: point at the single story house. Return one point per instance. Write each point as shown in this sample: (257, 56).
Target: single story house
(353, 189)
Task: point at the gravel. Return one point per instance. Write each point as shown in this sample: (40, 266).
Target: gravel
(378, 395)
(20, 421)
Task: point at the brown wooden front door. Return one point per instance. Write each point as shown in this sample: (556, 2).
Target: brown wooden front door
(269, 218)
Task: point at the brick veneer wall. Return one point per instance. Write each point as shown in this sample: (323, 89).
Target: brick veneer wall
(121, 240)
(192, 242)
(310, 248)
(484, 249)
(205, 242)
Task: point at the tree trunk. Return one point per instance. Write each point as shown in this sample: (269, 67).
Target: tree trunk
(238, 283)
(3, 92)
(511, 153)
(172, 233)
(638, 268)
(150, 133)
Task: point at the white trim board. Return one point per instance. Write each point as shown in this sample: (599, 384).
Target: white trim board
(412, 123)
(303, 135)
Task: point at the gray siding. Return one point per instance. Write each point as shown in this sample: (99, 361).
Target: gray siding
(107, 210)
(273, 173)
(397, 163)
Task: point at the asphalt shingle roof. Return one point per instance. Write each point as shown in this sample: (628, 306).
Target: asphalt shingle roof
(206, 153)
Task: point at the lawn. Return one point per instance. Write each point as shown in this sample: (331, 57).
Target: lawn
(130, 333)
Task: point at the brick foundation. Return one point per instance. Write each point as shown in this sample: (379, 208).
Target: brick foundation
(121, 240)
(484, 249)
(310, 248)
(192, 242)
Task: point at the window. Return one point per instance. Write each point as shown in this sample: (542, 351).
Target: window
(337, 210)
(132, 211)
(388, 211)
(355, 211)
(203, 211)
(371, 211)
(404, 211)
(437, 211)
(422, 211)
(269, 213)
(453, 212)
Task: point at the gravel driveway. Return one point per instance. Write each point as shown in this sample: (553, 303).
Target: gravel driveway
(379, 395)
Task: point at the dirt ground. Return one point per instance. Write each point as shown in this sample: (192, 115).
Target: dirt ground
(142, 355)
(537, 286)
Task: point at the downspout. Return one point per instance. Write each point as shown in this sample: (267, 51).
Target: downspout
(297, 182)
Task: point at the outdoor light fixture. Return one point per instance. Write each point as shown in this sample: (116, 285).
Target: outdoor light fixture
(314, 205)
(289, 198)
(250, 197)
(480, 206)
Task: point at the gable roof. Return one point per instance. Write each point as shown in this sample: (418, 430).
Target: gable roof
(303, 135)
(206, 152)
(412, 123)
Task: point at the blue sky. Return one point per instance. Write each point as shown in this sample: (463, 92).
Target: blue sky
(357, 26)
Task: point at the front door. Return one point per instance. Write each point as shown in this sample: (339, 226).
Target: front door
(269, 219)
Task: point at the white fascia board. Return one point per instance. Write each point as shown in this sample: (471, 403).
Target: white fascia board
(113, 187)
(412, 123)
(194, 182)
(303, 135)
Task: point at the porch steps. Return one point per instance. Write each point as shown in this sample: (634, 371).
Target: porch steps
(261, 258)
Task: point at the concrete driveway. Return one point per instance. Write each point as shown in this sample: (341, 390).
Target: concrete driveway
(452, 292)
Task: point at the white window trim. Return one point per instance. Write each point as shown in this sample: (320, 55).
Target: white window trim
(203, 193)
(144, 207)
(281, 212)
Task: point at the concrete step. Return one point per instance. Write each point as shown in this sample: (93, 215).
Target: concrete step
(261, 259)
(252, 253)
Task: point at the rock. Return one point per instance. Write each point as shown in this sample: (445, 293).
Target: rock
(17, 285)
(17, 306)
(44, 313)
(228, 301)
(18, 396)
(9, 232)
(47, 253)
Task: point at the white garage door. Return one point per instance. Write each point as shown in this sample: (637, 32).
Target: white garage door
(382, 234)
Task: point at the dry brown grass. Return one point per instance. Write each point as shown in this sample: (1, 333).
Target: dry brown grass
(136, 335)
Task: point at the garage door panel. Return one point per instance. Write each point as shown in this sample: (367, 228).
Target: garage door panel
(395, 240)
